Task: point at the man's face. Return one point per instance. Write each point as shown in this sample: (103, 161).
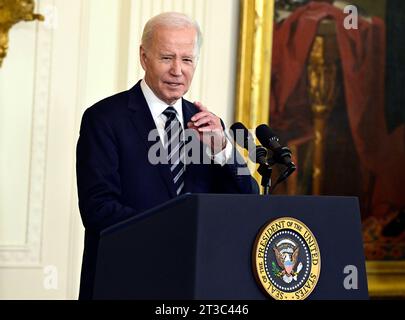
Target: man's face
(169, 62)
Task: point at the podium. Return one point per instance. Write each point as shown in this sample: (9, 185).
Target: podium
(200, 246)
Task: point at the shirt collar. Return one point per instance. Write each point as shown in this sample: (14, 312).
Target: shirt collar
(157, 106)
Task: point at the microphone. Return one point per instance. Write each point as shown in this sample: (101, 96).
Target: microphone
(244, 138)
(281, 154)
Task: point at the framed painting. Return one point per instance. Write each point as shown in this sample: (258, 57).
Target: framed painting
(329, 77)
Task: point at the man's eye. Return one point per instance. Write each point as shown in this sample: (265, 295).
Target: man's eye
(166, 58)
(188, 60)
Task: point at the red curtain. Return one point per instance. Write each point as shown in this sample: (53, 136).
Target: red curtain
(362, 53)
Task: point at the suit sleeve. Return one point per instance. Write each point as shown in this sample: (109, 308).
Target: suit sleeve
(98, 180)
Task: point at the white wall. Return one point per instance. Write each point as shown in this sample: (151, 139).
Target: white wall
(85, 51)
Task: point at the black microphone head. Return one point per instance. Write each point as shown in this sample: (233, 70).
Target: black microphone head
(241, 134)
(269, 140)
(266, 136)
(238, 125)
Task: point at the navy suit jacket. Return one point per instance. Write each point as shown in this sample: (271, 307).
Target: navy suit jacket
(115, 179)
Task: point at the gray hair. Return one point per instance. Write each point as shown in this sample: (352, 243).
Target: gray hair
(171, 19)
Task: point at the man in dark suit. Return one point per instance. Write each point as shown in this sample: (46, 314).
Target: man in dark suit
(116, 176)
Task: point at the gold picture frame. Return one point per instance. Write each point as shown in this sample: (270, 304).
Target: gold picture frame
(254, 62)
(386, 279)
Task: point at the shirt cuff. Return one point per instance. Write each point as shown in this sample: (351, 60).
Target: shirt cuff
(223, 156)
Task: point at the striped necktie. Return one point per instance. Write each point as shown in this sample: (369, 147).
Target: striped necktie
(175, 148)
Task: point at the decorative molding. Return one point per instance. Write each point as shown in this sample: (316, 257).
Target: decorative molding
(75, 227)
(30, 253)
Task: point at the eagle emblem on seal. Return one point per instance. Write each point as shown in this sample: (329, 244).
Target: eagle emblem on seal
(286, 252)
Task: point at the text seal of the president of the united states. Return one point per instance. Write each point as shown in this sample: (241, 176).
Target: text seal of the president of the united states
(286, 259)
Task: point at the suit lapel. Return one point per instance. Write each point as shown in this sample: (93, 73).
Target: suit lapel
(143, 121)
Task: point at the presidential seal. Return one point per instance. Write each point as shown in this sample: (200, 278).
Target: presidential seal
(286, 259)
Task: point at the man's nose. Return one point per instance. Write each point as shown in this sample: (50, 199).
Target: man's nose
(175, 69)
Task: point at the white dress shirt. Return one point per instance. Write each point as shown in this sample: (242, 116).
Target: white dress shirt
(157, 107)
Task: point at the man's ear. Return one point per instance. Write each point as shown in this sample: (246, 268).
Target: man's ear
(142, 57)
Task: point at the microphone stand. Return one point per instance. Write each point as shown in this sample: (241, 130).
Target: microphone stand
(265, 170)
